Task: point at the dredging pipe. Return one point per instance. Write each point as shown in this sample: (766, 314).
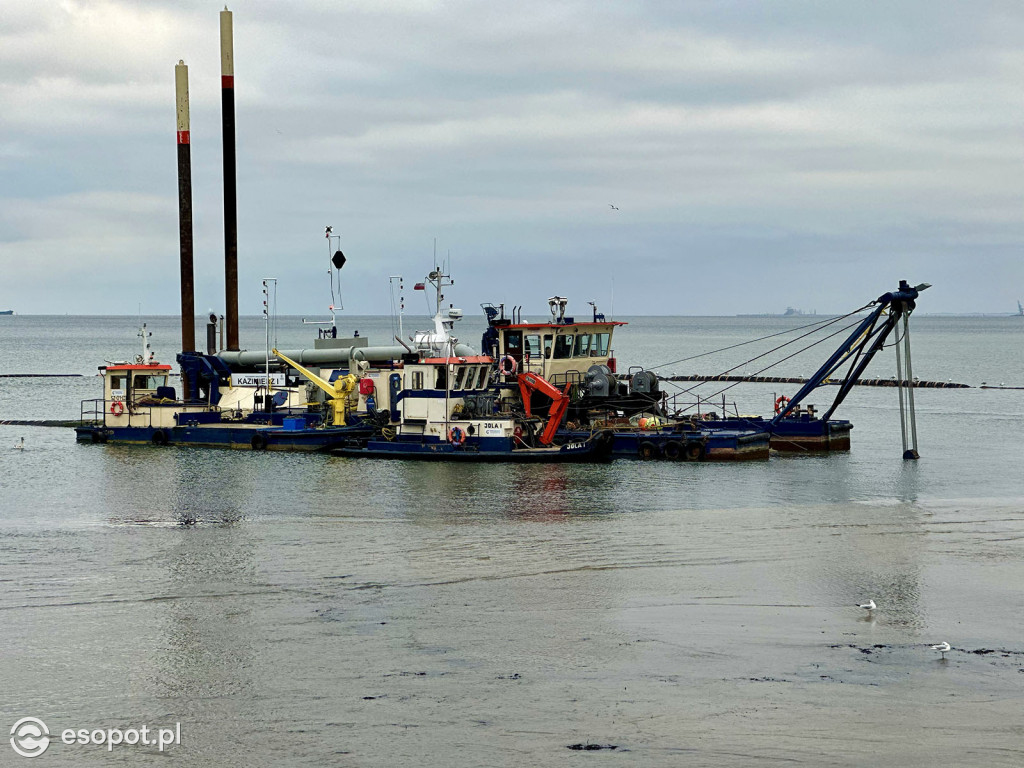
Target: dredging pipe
(800, 380)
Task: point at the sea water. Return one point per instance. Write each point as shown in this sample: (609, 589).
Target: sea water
(289, 609)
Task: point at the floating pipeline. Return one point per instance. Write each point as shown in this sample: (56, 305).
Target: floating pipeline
(797, 380)
(39, 423)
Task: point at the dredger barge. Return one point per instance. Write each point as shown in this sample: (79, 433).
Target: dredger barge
(546, 391)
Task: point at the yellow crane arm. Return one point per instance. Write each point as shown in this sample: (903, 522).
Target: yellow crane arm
(334, 390)
(340, 391)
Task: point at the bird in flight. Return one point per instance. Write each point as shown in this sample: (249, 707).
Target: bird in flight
(868, 606)
(613, 207)
(942, 648)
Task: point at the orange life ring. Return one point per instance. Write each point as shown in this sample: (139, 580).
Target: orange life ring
(116, 408)
(456, 436)
(781, 403)
(508, 365)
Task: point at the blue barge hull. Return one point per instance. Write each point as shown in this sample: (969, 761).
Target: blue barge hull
(705, 445)
(480, 449)
(799, 434)
(242, 436)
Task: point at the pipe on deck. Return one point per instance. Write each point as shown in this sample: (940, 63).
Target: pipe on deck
(335, 356)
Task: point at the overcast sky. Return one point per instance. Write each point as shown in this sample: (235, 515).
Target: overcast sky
(760, 154)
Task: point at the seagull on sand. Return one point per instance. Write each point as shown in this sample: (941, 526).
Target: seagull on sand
(868, 606)
(941, 648)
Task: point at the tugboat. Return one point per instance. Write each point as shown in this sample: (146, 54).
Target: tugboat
(441, 404)
(444, 408)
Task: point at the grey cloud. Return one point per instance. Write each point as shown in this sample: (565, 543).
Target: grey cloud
(817, 149)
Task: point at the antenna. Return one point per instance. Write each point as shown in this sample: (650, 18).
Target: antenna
(336, 259)
(401, 303)
(267, 403)
(146, 358)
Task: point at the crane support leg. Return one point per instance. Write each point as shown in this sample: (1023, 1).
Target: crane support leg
(908, 416)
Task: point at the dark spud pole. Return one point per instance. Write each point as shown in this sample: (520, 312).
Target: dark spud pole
(188, 313)
(227, 95)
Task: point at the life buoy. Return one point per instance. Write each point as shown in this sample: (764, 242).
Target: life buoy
(508, 365)
(781, 403)
(116, 408)
(456, 436)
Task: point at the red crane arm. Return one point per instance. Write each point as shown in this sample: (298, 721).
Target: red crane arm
(531, 382)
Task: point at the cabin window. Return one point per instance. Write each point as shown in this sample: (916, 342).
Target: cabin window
(481, 377)
(117, 382)
(582, 345)
(142, 381)
(563, 347)
(547, 346)
(442, 377)
(460, 377)
(417, 380)
(533, 345)
(514, 343)
(600, 348)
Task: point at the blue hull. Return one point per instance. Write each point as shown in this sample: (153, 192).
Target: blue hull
(484, 450)
(800, 434)
(704, 445)
(244, 436)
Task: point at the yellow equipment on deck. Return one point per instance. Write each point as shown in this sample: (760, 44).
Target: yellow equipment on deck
(342, 391)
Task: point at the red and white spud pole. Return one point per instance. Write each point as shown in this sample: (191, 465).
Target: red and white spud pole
(188, 313)
(227, 91)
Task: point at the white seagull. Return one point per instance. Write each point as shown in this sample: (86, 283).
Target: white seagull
(941, 648)
(20, 446)
(868, 606)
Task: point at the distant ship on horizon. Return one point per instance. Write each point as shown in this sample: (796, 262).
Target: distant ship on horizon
(6, 311)
(790, 312)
